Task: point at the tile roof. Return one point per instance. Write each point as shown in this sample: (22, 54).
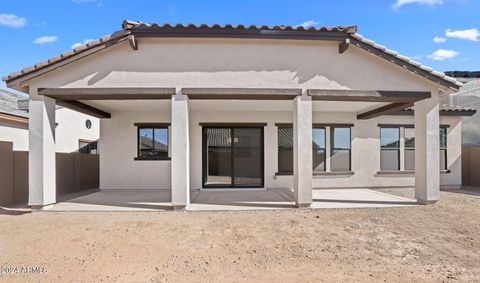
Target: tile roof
(9, 104)
(446, 109)
(463, 74)
(130, 27)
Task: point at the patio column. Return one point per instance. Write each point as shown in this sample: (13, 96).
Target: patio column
(302, 148)
(427, 151)
(41, 156)
(180, 152)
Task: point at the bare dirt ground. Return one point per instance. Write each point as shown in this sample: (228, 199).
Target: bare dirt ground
(438, 242)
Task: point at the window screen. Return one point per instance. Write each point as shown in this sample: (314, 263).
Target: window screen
(340, 152)
(390, 148)
(409, 149)
(318, 149)
(285, 149)
(443, 148)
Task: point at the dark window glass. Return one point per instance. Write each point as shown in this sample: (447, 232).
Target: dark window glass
(390, 148)
(318, 149)
(285, 150)
(87, 147)
(340, 153)
(409, 149)
(443, 148)
(152, 143)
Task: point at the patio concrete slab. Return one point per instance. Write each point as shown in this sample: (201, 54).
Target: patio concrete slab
(238, 199)
(114, 200)
(356, 198)
(225, 199)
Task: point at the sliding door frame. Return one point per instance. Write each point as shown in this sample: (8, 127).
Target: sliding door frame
(232, 128)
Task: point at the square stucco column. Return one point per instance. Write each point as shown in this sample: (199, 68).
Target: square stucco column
(302, 148)
(180, 152)
(41, 156)
(427, 151)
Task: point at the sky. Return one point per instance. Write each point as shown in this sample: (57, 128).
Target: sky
(442, 34)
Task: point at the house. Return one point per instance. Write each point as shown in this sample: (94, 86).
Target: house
(74, 131)
(468, 96)
(186, 108)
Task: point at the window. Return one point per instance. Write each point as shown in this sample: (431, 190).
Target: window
(318, 149)
(409, 149)
(443, 148)
(152, 142)
(340, 149)
(285, 149)
(390, 149)
(89, 147)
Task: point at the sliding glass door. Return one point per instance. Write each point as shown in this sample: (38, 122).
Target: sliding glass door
(233, 157)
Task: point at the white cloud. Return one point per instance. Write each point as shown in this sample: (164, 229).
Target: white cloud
(307, 24)
(98, 2)
(11, 20)
(472, 34)
(400, 3)
(442, 54)
(77, 44)
(45, 39)
(438, 39)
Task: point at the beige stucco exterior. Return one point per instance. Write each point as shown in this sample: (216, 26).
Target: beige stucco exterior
(242, 63)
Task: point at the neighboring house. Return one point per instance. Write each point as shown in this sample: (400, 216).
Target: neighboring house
(247, 107)
(73, 131)
(467, 97)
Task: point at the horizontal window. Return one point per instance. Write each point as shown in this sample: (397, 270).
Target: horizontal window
(390, 147)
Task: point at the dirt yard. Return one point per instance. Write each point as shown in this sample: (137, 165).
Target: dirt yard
(439, 242)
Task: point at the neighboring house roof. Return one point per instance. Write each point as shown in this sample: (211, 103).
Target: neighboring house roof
(149, 143)
(464, 76)
(451, 110)
(9, 104)
(131, 29)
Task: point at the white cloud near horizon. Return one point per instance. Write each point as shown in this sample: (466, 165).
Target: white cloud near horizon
(400, 3)
(77, 44)
(45, 39)
(472, 34)
(12, 20)
(309, 23)
(438, 39)
(442, 54)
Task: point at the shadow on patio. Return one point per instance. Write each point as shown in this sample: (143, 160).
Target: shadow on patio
(114, 200)
(225, 199)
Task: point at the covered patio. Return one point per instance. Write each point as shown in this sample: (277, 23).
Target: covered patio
(223, 200)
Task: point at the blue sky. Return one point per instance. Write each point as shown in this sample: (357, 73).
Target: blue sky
(32, 31)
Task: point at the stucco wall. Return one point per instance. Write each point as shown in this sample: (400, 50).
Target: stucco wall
(14, 132)
(118, 143)
(71, 128)
(170, 62)
(118, 140)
